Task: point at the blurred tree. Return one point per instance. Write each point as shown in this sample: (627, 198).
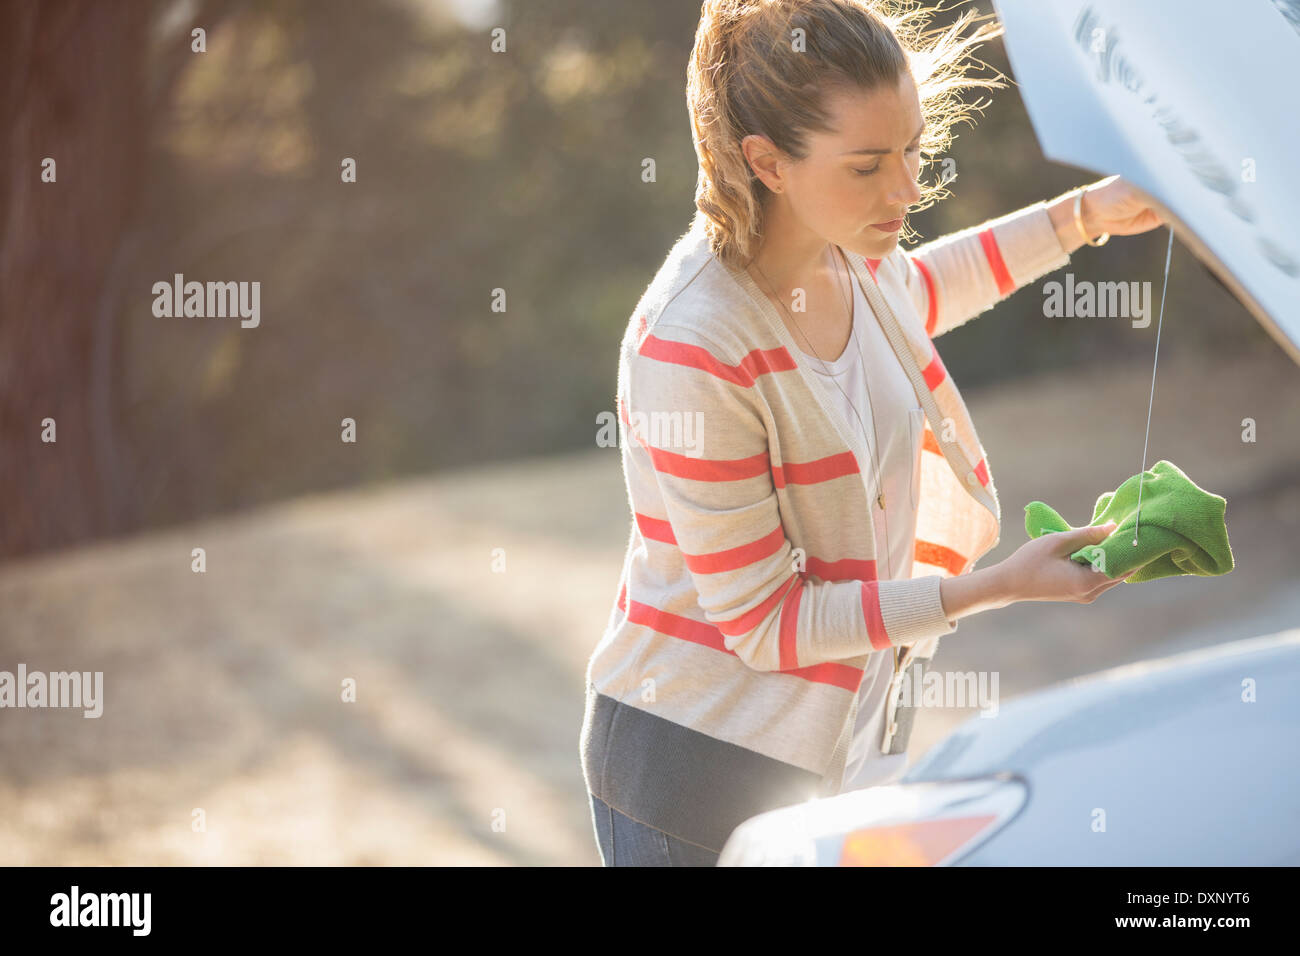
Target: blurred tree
(72, 89)
(81, 87)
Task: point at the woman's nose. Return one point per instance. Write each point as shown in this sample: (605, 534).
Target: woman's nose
(905, 189)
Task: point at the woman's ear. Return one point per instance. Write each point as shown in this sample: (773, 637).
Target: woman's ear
(764, 159)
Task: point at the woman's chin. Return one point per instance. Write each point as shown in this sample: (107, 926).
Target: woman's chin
(873, 247)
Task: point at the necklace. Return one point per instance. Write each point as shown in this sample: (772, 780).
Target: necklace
(853, 337)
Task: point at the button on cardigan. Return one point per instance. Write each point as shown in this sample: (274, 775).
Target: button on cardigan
(749, 603)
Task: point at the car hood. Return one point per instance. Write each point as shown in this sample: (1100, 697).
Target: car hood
(1156, 703)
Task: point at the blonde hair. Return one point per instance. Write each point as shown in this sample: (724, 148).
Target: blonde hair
(747, 76)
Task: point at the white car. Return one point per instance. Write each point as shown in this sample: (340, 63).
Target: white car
(1189, 760)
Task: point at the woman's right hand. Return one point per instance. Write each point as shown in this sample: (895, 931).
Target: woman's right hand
(1041, 570)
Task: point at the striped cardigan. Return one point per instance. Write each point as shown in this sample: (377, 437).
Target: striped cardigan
(725, 680)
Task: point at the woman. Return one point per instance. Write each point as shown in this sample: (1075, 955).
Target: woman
(809, 495)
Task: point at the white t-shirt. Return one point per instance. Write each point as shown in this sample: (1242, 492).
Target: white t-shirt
(899, 422)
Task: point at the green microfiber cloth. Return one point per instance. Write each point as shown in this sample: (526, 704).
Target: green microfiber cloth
(1181, 529)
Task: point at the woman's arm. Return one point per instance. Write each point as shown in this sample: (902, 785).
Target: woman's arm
(1109, 206)
(983, 589)
(1061, 211)
(958, 276)
(1040, 570)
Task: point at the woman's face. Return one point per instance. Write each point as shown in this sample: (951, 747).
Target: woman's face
(863, 173)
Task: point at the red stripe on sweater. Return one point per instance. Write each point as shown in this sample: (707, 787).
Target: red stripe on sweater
(738, 557)
(871, 613)
(932, 300)
(830, 672)
(757, 362)
(674, 625)
(703, 633)
(934, 372)
(692, 356)
(764, 361)
(844, 569)
(788, 643)
(812, 472)
(751, 618)
(1006, 285)
(707, 469)
(982, 473)
(930, 443)
(872, 266)
(698, 469)
(941, 556)
(655, 529)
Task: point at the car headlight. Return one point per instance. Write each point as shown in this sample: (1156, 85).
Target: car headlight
(902, 824)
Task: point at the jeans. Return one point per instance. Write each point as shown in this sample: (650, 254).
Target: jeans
(625, 842)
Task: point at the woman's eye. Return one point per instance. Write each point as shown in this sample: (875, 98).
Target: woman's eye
(868, 172)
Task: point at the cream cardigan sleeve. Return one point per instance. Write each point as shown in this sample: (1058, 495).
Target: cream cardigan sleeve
(958, 276)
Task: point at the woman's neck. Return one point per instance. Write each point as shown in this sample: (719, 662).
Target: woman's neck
(791, 256)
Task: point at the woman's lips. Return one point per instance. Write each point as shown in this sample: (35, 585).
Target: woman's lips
(892, 226)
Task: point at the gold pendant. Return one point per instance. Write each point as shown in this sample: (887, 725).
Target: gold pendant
(880, 499)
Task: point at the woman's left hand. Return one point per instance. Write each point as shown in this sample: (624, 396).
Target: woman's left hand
(1119, 208)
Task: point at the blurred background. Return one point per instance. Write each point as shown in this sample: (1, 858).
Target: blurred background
(458, 560)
